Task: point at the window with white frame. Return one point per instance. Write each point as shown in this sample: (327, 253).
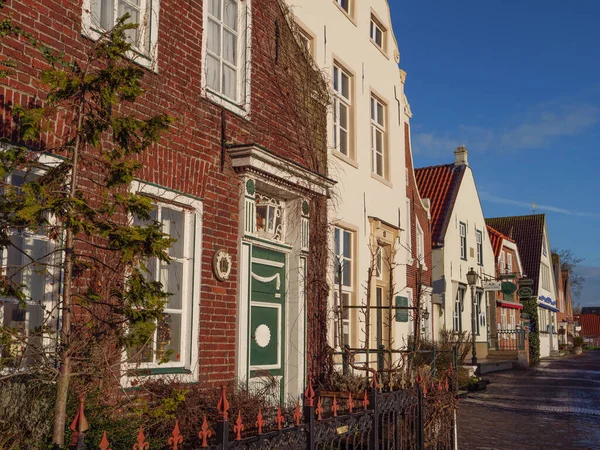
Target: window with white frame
(504, 319)
(545, 277)
(343, 266)
(344, 4)
(513, 320)
(480, 310)
(501, 264)
(479, 238)
(458, 308)
(307, 39)
(30, 260)
(226, 54)
(101, 16)
(378, 150)
(379, 262)
(342, 110)
(509, 265)
(377, 33)
(544, 249)
(408, 227)
(174, 343)
(463, 240)
(420, 243)
(269, 217)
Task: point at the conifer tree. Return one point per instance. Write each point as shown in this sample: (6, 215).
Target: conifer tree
(97, 306)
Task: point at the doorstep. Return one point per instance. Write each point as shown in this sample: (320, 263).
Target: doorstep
(494, 365)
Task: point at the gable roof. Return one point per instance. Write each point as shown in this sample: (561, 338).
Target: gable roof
(590, 310)
(496, 239)
(528, 233)
(440, 185)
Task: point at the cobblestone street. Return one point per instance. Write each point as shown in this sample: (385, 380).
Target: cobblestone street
(555, 405)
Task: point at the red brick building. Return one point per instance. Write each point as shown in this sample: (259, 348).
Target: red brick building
(241, 174)
(589, 321)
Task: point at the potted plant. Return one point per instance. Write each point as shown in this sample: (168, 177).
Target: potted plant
(476, 383)
(578, 344)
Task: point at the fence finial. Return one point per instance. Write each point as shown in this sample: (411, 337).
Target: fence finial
(319, 409)
(335, 406)
(260, 421)
(79, 424)
(350, 403)
(238, 427)
(309, 394)
(204, 433)
(279, 419)
(365, 401)
(176, 437)
(297, 414)
(141, 443)
(223, 405)
(104, 445)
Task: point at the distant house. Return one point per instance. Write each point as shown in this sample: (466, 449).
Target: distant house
(589, 320)
(460, 242)
(566, 324)
(531, 235)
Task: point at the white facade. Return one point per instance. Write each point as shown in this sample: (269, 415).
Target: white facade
(547, 296)
(353, 43)
(455, 258)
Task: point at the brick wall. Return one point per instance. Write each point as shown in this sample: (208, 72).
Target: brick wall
(188, 158)
(417, 213)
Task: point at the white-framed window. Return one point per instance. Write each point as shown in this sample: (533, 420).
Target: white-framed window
(480, 310)
(420, 243)
(32, 261)
(175, 340)
(509, 265)
(501, 263)
(408, 227)
(513, 320)
(100, 16)
(342, 110)
(344, 5)
(479, 239)
(379, 263)
(545, 276)
(307, 39)
(504, 320)
(344, 314)
(377, 33)
(343, 257)
(226, 53)
(544, 248)
(270, 212)
(463, 240)
(378, 144)
(458, 308)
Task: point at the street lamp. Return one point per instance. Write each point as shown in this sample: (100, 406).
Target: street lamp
(472, 280)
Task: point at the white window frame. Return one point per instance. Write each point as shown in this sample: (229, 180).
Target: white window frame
(348, 10)
(463, 240)
(545, 276)
(148, 29)
(340, 101)
(376, 26)
(420, 243)
(479, 241)
(513, 321)
(52, 289)
(509, 265)
(459, 301)
(241, 104)
(378, 128)
(191, 308)
(347, 289)
(379, 262)
(501, 263)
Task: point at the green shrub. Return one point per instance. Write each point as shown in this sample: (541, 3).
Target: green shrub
(578, 341)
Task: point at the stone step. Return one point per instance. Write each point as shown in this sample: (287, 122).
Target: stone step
(503, 355)
(494, 366)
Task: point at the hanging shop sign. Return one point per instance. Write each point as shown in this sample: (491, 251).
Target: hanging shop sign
(492, 285)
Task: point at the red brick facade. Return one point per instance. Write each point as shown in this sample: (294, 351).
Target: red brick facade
(418, 214)
(192, 157)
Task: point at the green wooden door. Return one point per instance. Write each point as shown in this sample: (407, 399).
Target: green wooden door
(267, 300)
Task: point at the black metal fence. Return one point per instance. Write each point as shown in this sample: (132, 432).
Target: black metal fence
(418, 418)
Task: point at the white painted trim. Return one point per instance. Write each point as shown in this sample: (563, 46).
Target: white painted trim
(266, 262)
(242, 107)
(149, 61)
(243, 316)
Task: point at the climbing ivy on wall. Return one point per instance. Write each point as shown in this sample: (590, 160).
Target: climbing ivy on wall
(531, 309)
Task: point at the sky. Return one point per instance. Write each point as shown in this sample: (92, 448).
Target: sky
(517, 82)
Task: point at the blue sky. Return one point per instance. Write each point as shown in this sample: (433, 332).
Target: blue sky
(518, 83)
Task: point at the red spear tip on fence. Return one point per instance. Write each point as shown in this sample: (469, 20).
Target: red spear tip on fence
(239, 427)
(204, 433)
(260, 421)
(80, 423)
(365, 401)
(223, 405)
(350, 403)
(297, 414)
(176, 437)
(141, 443)
(309, 394)
(104, 445)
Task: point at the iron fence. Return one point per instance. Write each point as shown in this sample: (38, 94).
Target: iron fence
(418, 418)
(508, 340)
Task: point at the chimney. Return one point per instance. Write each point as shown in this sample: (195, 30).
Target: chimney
(461, 156)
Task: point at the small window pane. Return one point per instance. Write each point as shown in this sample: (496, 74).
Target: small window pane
(343, 142)
(231, 14)
(171, 279)
(337, 241)
(214, 8)
(229, 82)
(214, 37)
(213, 73)
(174, 344)
(347, 244)
(230, 47)
(345, 85)
(346, 273)
(379, 113)
(134, 13)
(173, 223)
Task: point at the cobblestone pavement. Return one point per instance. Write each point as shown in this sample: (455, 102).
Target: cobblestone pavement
(555, 405)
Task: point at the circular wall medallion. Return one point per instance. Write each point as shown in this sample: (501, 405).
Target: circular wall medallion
(250, 187)
(262, 335)
(222, 264)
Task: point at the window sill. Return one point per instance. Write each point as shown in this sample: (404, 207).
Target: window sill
(243, 112)
(345, 158)
(463, 259)
(346, 13)
(381, 49)
(381, 180)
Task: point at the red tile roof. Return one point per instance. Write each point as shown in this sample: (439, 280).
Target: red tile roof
(528, 233)
(590, 325)
(496, 239)
(440, 185)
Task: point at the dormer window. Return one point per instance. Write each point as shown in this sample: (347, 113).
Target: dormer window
(377, 33)
(544, 249)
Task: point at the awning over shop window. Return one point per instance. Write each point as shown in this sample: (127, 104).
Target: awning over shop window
(548, 307)
(513, 305)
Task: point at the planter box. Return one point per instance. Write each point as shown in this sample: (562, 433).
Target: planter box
(578, 350)
(479, 386)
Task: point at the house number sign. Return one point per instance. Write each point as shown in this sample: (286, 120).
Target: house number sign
(221, 264)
